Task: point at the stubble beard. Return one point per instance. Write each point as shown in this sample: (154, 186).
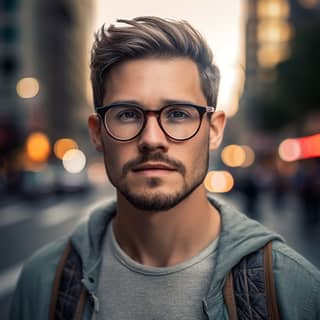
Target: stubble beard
(150, 199)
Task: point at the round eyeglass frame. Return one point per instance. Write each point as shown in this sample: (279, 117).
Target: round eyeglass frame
(101, 111)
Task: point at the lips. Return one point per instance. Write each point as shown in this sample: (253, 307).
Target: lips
(153, 166)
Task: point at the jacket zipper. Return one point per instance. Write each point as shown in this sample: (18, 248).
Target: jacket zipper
(96, 305)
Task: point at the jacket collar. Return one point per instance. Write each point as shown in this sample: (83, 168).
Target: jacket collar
(239, 236)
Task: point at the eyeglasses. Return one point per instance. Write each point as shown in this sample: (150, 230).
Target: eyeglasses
(179, 121)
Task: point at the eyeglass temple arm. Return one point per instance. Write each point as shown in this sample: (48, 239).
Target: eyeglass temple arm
(210, 109)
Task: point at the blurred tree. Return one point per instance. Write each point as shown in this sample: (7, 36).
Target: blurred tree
(295, 92)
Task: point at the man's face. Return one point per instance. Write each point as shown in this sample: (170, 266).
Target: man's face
(152, 171)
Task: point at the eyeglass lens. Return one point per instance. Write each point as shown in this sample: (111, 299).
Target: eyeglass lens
(177, 121)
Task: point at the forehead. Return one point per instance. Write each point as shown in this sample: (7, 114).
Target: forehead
(152, 80)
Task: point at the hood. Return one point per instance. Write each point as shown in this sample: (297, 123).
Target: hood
(239, 236)
(88, 239)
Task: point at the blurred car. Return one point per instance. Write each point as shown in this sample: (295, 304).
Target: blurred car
(53, 179)
(35, 184)
(67, 182)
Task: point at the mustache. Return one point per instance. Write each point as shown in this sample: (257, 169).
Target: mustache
(158, 157)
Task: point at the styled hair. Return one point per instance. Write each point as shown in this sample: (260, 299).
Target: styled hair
(145, 37)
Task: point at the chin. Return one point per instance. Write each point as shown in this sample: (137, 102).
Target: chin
(159, 202)
(156, 200)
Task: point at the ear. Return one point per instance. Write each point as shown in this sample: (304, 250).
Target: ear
(217, 124)
(94, 125)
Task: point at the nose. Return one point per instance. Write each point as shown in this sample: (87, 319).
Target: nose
(152, 137)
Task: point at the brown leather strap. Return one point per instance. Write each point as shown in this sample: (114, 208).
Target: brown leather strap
(81, 304)
(56, 282)
(229, 297)
(269, 283)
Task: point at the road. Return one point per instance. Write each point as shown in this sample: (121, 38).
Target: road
(26, 226)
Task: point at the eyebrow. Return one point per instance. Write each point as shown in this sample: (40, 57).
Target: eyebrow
(163, 102)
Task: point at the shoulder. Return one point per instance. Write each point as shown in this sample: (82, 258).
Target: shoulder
(31, 299)
(45, 259)
(285, 257)
(297, 283)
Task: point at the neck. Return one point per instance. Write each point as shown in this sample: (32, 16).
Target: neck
(168, 237)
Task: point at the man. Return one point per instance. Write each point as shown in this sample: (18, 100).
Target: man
(163, 249)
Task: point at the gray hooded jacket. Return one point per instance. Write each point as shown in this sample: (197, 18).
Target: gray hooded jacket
(297, 281)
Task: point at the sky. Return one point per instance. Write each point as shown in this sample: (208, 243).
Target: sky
(221, 23)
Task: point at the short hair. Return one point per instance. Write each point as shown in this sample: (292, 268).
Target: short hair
(145, 37)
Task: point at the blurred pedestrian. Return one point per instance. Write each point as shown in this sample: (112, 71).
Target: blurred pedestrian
(250, 190)
(163, 249)
(308, 187)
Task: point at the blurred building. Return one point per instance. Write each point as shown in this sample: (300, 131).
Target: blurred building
(61, 31)
(11, 111)
(46, 42)
(270, 26)
(10, 58)
(44, 81)
(268, 32)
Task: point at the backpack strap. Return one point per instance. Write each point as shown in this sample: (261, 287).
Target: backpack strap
(68, 295)
(270, 284)
(229, 297)
(249, 290)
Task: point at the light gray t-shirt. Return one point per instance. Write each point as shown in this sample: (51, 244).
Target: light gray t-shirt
(131, 291)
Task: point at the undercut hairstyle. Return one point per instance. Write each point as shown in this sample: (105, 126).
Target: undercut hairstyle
(151, 37)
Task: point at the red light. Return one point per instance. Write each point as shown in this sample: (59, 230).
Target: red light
(300, 148)
(310, 146)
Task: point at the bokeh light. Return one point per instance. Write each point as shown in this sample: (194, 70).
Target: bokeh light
(274, 31)
(300, 148)
(310, 146)
(273, 9)
(249, 156)
(233, 155)
(219, 181)
(38, 147)
(27, 88)
(63, 145)
(290, 150)
(74, 161)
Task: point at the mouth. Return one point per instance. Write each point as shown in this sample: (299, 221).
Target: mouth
(151, 168)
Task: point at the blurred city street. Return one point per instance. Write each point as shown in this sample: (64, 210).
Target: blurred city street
(26, 226)
(268, 163)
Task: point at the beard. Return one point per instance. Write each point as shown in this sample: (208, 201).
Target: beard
(155, 201)
(150, 199)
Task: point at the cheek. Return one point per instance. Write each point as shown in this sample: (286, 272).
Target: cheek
(194, 155)
(199, 153)
(201, 157)
(115, 156)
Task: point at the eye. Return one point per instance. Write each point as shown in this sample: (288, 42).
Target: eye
(178, 113)
(128, 114)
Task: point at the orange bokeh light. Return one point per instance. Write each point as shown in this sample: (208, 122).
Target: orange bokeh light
(233, 155)
(61, 146)
(38, 147)
(219, 181)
